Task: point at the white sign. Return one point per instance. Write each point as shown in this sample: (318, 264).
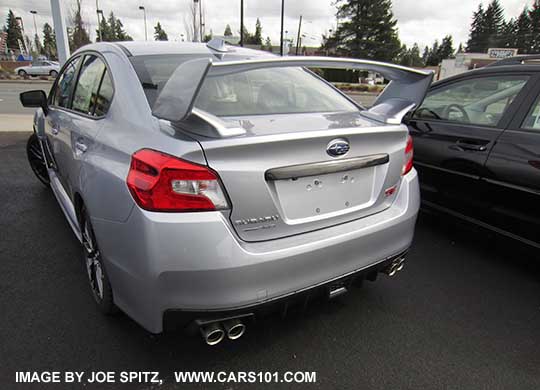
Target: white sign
(502, 53)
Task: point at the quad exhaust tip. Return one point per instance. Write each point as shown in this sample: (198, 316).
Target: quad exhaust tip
(395, 266)
(214, 332)
(234, 328)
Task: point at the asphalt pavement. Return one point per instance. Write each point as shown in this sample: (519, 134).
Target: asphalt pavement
(463, 314)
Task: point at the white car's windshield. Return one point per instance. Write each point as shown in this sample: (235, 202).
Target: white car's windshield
(255, 92)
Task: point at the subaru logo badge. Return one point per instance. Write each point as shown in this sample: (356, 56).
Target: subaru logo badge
(338, 147)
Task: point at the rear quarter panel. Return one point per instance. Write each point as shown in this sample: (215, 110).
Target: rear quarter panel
(127, 127)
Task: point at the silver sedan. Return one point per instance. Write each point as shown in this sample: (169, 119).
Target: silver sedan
(207, 183)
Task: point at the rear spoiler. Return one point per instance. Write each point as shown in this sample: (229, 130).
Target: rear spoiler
(406, 90)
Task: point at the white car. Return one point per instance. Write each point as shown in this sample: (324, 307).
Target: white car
(39, 68)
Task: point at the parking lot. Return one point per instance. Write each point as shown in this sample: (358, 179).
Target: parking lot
(464, 313)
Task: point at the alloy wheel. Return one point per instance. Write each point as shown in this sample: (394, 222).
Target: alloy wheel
(93, 263)
(37, 160)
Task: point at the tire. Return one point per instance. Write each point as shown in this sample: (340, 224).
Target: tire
(95, 268)
(22, 73)
(53, 73)
(36, 159)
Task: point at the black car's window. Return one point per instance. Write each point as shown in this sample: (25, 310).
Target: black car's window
(478, 101)
(65, 82)
(532, 122)
(85, 94)
(104, 95)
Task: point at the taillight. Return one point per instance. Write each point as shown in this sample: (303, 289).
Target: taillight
(161, 182)
(409, 151)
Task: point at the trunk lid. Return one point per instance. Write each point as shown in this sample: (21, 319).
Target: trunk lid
(281, 180)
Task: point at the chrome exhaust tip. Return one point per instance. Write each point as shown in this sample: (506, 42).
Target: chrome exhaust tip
(234, 328)
(212, 333)
(395, 266)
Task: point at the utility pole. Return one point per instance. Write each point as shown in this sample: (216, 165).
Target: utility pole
(298, 38)
(200, 22)
(60, 31)
(281, 36)
(241, 22)
(196, 28)
(98, 22)
(145, 29)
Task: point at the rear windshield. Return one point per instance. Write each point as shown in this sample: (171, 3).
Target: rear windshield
(255, 92)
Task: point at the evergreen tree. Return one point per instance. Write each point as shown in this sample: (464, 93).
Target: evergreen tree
(534, 18)
(79, 35)
(367, 29)
(257, 37)
(159, 33)
(410, 57)
(416, 60)
(49, 42)
(228, 32)
(403, 56)
(247, 36)
(268, 44)
(476, 33)
(208, 37)
(508, 35)
(460, 48)
(38, 48)
(433, 59)
(493, 25)
(425, 55)
(14, 32)
(119, 32)
(106, 32)
(523, 32)
(446, 50)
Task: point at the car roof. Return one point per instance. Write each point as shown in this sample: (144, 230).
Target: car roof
(492, 70)
(138, 48)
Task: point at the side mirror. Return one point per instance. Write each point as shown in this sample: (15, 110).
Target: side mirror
(36, 98)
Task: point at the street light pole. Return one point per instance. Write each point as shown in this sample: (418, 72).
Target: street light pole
(60, 30)
(33, 12)
(241, 22)
(298, 37)
(281, 36)
(145, 28)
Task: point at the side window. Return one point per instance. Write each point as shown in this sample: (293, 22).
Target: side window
(86, 89)
(65, 82)
(478, 101)
(532, 122)
(104, 96)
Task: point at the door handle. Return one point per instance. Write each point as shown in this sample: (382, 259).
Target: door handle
(81, 147)
(54, 131)
(471, 145)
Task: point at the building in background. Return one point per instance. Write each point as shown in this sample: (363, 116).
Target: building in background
(468, 61)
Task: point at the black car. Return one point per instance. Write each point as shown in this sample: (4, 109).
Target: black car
(477, 147)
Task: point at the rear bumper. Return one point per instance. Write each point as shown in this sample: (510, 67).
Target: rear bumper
(195, 262)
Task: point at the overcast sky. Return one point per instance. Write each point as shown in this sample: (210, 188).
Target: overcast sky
(419, 21)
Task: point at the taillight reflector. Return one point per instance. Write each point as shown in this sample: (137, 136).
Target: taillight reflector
(409, 152)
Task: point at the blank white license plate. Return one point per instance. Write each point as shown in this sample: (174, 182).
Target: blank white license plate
(312, 196)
